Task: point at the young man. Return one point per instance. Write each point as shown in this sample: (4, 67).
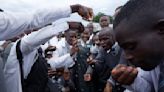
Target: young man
(141, 36)
(107, 58)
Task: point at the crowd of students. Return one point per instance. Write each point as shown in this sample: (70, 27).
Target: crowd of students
(40, 56)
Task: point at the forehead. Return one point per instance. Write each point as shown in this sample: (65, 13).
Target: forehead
(104, 35)
(132, 29)
(72, 32)
(104, 18)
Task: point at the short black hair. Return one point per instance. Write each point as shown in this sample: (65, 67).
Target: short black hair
(138, 6)
(119, 7)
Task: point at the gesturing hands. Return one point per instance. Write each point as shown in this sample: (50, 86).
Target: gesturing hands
(124, 74)
(83, 11)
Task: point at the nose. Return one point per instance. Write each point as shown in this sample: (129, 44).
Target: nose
(101, 42)
(128, 56)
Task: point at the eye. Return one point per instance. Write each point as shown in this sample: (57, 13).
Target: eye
(129, 46)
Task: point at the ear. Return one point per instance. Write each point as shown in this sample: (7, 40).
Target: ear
(160, 26)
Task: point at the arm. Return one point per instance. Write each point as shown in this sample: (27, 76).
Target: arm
(35, 39)
(11, 24)
(142, 83)
(61, 61)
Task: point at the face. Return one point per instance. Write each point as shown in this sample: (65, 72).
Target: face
(106, 41)
(71, 36)
(104, 21)
(142, 45)
(90, 27)
(85, 35)
(96, 40)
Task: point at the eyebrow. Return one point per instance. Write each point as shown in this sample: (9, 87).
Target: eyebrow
(127, 42)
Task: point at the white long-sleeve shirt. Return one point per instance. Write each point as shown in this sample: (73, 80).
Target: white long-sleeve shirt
(28, 47)
(61, 56)
(12, 24)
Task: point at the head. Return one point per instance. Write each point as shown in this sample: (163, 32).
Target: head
(90, 27)
(85, 35)
(141, 35)
(96, 40)
(117, 10)
(104, 21)
(71, 36)
(106, 39)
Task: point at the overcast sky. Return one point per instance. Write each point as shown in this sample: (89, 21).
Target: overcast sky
(105, 6)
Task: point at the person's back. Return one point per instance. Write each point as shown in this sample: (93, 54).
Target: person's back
(37, 78)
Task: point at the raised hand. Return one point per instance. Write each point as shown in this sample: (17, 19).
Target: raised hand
(124, 74)
(83, 11)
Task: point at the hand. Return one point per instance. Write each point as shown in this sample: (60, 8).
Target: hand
(51, 72)
(90, 60)
(87, 77)
(76, 26)
(108, 87)
(50, 48)
(85, 12)
(124, 74)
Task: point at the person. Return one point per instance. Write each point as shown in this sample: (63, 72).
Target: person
(14, 23)
(94, 50)
(107, 58)
(84, 39)
(81, 65)
(141, 37)
(28, 46)
(104, 22)
(66, 49)
(90, 27)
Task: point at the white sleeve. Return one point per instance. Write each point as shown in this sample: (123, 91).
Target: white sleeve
(35, 39)
(11, 24)
(62, 61)
(142, 83)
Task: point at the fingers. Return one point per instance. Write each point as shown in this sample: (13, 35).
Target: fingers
(86, 13)
(108, 87)
(132, 76)
(124, 74)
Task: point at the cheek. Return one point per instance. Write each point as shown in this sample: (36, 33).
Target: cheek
(147, 52)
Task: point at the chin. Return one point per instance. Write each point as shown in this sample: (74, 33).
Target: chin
(148, 68)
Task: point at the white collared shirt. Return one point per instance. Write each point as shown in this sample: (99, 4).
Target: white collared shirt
(61, 56)
(29, 45)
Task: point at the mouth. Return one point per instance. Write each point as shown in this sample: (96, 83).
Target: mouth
(143, 65)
